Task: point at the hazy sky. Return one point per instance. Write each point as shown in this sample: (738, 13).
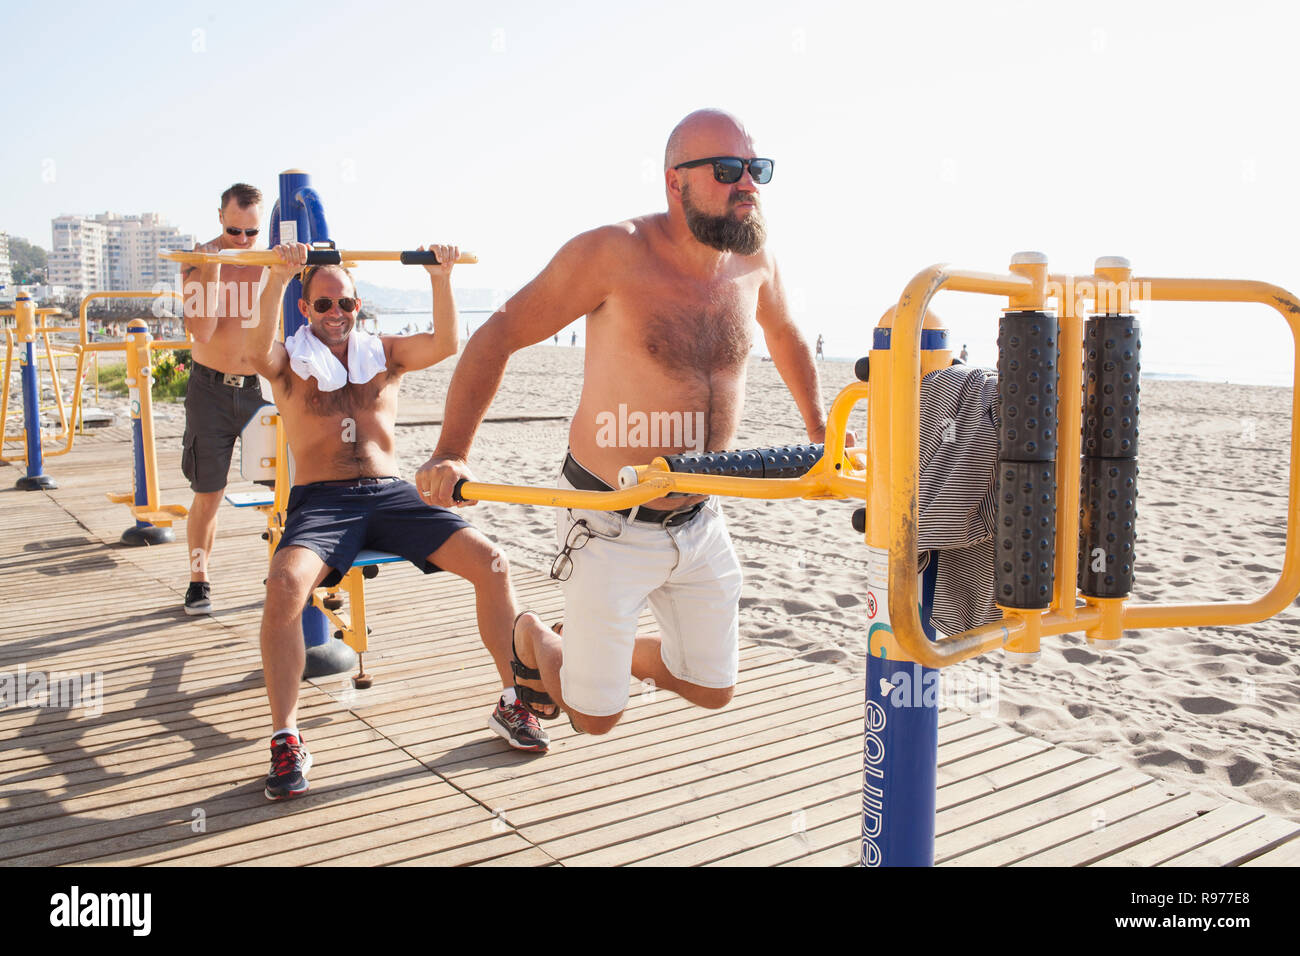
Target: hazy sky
(903, 134)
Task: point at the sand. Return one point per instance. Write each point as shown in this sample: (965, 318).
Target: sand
(1213, 710)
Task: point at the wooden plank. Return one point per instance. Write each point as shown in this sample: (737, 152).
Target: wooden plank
(1116, 837)
(1057, 831)
(407, 772)
(1240, 845)
(1012, 800)
(1031, 763)
(1041, 802)
(772, 800)
(1288, 854)
(1188, 836)
(656, 828)
(834, 844)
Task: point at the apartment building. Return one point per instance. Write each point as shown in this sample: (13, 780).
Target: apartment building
(7, 289)
(112, 252)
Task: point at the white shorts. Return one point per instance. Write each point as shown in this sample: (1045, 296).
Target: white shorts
(690, 576)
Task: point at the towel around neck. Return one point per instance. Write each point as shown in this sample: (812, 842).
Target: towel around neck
(309, 357)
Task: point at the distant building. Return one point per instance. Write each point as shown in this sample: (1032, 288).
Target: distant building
(7, 290)
(111, 252)
(45, 294)
(77, 259)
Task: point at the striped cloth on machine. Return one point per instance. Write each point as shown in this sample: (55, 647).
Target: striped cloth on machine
(955, 502)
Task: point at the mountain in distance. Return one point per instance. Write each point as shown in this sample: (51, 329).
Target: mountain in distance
(378, 298)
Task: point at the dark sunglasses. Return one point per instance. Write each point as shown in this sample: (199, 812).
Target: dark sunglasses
(323, 304)
(728, 169)
(250, 233)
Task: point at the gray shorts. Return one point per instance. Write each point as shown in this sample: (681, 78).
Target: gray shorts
(215, 414)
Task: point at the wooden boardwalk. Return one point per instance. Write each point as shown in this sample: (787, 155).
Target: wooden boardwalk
(407, 773)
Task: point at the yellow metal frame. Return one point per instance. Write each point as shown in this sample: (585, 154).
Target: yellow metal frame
(267, 257)
(1031, 286)
(892, 489)
(138, 347)
(352, 628)
(28, 328)
(835, 475)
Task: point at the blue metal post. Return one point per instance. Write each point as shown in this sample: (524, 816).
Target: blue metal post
(298, 210)
(34, 480)
(900, 754)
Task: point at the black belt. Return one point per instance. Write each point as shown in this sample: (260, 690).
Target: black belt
(584, 480)
(353, 482)
(223, 378)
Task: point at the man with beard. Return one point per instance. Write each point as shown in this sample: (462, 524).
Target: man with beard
(671, 300)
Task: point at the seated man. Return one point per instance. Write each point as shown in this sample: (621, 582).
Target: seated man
(336, 391)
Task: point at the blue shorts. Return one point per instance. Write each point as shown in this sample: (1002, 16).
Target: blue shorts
(336, 523)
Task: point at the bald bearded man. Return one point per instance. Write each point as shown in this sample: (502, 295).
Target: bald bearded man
(671, 301)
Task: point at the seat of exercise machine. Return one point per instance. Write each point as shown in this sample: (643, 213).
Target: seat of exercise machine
(365, 558)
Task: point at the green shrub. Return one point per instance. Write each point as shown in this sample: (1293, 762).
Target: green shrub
(171, 376)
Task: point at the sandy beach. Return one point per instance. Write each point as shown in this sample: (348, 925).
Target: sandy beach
(1212, 709)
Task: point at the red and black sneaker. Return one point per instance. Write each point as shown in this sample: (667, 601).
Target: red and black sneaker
(519, 727)
(290, 761)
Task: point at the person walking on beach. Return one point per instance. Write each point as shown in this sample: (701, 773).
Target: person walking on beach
(671, 301)
(223, 392)
(336, 391)
(963, 356)
(820, 342)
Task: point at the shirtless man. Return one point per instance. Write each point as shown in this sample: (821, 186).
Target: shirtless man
(671, 300)
(344, 495)
(223, 392)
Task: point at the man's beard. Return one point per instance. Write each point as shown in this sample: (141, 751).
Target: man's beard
(725, 233)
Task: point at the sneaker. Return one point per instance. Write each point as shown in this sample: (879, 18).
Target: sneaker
(520, 728)
(198, 598)
(290, 761)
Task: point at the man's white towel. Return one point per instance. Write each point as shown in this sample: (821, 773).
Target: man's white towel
(310, 358)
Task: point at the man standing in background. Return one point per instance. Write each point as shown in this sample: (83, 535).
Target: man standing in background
(224, 391)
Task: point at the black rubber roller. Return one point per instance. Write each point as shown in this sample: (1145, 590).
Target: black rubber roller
(1112, 347)
(1028, 359)
(1025, 542)
(742, 464)
(1107, 526)
(790, 461)
(787, 461)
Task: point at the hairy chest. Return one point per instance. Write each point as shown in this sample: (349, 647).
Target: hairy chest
(708, 331)
(353, 400)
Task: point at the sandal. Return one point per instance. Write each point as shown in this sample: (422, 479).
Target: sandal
(527, 695)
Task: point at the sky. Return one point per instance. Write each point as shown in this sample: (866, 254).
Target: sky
(903, 135)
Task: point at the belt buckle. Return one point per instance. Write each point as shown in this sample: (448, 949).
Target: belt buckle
(234, 381)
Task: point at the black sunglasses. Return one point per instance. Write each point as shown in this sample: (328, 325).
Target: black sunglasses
(323, 304)
(250, 233)
(728, 169)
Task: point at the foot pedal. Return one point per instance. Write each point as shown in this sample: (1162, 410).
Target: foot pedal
(362, 680)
